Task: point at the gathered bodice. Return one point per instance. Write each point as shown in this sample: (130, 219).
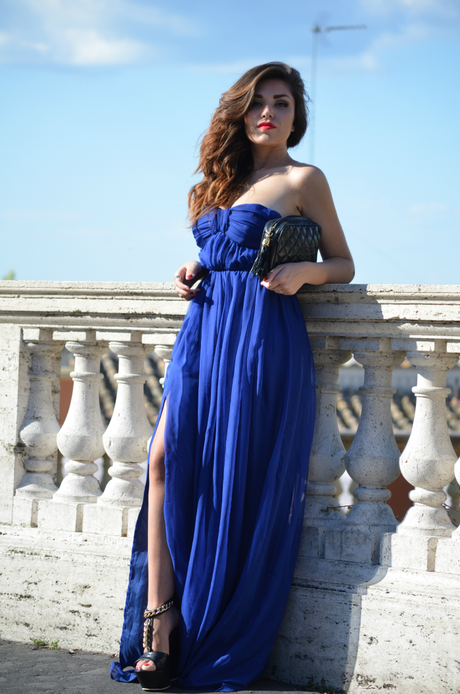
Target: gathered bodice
(229, 239)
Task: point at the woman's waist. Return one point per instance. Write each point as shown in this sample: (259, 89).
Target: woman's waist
(231, 270)
(218, 264)
(227, 257)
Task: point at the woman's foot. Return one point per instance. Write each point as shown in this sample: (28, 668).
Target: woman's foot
(163, 626)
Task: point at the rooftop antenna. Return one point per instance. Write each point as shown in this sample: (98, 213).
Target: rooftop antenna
(317, 29)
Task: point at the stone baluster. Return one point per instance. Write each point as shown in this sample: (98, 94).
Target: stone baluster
(162, 344)
(127, 435)
(428, 459)
(373, 458)
(80, 438)
(39, 428)
(326, 459)
(164, 352)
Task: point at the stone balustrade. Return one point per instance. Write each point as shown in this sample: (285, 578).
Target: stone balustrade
(360, 555)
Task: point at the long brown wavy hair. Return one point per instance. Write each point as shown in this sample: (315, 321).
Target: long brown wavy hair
(225, 153)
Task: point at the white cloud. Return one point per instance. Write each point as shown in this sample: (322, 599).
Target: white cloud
(372, 58)
(155, 17)
(411, 33)
(40, 47)
(384, 37)
(88, 47)
(238, 66)
(87, 32)
(429, 207)
(366, 61)
(419, 8)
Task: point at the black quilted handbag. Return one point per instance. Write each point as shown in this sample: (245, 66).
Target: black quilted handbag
(289, 239)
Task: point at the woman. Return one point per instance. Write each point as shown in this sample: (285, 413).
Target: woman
(229, 457)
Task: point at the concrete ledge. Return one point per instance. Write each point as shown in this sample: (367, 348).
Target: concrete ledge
(57, 515)
(63, 586)
(25, 512)
(312, 542)
(133, 514)
(351, 545)
(421, 553)
(448, 555)
(370, 628)
(358, 626)
(105, 520)
(413, 552)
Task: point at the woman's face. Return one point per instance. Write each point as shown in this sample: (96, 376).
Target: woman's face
(270, 120)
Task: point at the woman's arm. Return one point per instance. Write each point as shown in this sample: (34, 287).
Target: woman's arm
(314, 200)
(186, 276)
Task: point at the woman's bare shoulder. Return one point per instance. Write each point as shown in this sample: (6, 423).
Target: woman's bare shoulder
(308, 184)
(306, 173)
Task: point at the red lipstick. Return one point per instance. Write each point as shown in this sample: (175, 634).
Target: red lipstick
(266, 125)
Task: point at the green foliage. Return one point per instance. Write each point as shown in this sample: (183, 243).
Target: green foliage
(44, 644)
(11, 275)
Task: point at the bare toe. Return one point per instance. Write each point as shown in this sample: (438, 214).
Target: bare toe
(145, 665)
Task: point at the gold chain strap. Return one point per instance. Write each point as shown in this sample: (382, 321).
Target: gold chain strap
(148, 633)
(149, 616)
(159, 610)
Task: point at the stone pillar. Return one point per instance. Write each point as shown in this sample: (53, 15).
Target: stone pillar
(125, 441)
(373, 458)
(14, 393)
(126, 437)
(39, 428)
(164, 352)
(326, 459)
(428, 459)
(79, 440)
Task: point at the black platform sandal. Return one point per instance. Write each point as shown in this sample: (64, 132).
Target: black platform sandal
(160, 678)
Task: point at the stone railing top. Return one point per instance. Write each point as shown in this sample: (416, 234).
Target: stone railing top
(379, 310)
(125, 305)
(423, 311)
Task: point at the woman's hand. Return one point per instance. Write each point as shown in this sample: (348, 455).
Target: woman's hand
(186, 276)
(288, 278)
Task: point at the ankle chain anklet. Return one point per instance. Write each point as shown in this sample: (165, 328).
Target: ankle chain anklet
(159, 610)
(148, 624)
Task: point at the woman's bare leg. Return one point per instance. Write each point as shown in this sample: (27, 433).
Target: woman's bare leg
(160, 570)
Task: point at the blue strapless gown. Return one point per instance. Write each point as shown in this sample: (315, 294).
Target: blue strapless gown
(241, 407)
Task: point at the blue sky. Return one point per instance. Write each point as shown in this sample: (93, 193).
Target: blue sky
(103, 103)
